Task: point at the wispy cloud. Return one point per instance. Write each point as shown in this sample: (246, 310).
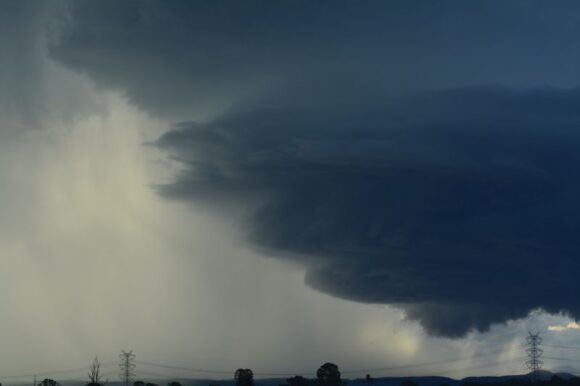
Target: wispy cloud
(560, 328)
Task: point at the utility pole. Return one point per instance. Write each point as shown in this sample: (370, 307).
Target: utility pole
(534, 352)
(127, 367)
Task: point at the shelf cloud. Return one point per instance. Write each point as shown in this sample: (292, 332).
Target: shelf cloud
(470, 215)
(376, 146)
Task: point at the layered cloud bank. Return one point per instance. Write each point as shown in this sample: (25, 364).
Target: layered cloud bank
(461, 218)
(357, 135)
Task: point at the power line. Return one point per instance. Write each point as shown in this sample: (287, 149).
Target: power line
(561, 359)
(351, 371)
(481, 366)
(488, 365)
(157, 375)
(563, 347)
(185, 368)
(424, 364)
(131, 365)
(48, 372)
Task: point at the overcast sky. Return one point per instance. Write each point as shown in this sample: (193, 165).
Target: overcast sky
(278, 184)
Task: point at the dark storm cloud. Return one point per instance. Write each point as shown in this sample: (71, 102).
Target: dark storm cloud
(35, 92)
(457, 205)
(21, 66)
(181, 58)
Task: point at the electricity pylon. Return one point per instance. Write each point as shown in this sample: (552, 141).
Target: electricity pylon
(534, 352)
(127, 367)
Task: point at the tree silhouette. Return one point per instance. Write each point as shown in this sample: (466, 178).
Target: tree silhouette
(369, 379)
(48, 382)
(244, 377)
(328, 375)
(174, 383)
(95, 377)
(297, 380)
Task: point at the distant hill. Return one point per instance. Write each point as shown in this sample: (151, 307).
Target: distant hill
(542, 375)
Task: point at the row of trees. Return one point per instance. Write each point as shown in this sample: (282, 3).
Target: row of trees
(327, 375)
(95, 377)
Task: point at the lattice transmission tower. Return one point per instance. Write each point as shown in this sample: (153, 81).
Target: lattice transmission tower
(127, 367)
(534, 352)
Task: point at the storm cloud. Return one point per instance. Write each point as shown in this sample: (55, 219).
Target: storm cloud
(185, 60)
(363, 142)
(36, 92)
(469, 213)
